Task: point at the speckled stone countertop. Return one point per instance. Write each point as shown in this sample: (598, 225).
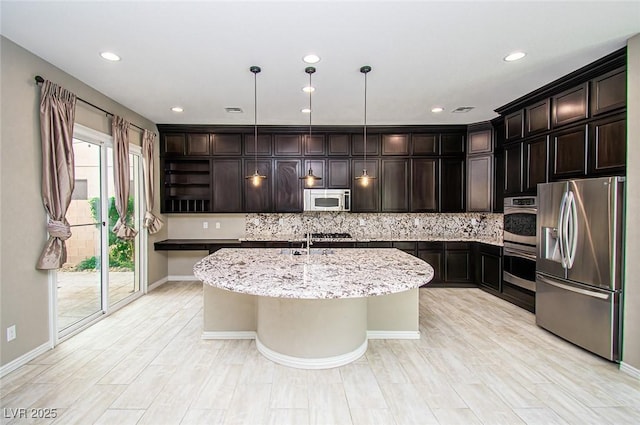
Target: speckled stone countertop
(389, 238)
(343, 273)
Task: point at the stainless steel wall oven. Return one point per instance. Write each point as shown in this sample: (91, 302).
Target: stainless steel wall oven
(520, 241)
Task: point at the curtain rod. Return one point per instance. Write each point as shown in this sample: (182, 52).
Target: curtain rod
(40, 80)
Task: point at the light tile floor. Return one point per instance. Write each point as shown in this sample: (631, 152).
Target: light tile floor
(480, 360)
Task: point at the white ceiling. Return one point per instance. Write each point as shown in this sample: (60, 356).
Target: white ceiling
(423, 53)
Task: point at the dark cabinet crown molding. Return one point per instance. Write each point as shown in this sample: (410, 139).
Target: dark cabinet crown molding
(608, 63)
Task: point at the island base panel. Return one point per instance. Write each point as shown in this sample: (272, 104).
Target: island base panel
(228, 315)
(394, 315)
(312, 333)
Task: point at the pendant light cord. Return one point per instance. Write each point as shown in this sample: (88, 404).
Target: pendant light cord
(255, 119)
(365, 120)
(310, 110)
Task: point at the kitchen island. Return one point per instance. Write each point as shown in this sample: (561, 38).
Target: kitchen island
(314, 310)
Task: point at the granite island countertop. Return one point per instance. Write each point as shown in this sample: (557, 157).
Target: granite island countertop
(343, 273)
(381, 238)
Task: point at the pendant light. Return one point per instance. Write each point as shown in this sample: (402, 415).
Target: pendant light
(309, 178)
(256, 178)
(364, 178)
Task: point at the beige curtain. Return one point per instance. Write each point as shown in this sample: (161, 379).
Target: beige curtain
(151, 222)
(120, 130)
(57, 113)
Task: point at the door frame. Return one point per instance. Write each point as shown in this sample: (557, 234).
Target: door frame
(103, 140)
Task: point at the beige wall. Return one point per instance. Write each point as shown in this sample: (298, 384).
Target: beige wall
(631, 339)
(180, 263)
(23, 289)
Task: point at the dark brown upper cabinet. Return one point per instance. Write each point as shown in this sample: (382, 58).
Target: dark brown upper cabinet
(395, 185)
(452, 143)
(479, 177)
(537, 118)
(288, 186)
(570, 105)
(424, 185)
(198, 144)
(339, 145)
(365, 198)
(395, 144)
(227, 144)
(373, 144)
(513, 125)
(568, 153)
(173, 144)
(314, 146)
(513, 169)
(258, 198)
(452, 194)
(479, 142)
(288, 145)
(338, 175)
(227, 185)
(263, 146)
(425, 144)
(609, 91)
(317, 166)
(535, 163)
(608, 145)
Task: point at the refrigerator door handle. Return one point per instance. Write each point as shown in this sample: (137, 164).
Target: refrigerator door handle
(561, 230)
(593, 294)
(572, 229)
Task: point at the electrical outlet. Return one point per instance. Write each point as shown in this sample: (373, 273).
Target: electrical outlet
(256, 221)
(205, 224)
(217, 224)
(362, 222)
(11, 333)
(416, 222)
(281, 221)
(474, 221)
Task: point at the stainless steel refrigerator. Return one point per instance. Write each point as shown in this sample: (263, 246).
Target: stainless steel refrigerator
(579, 265)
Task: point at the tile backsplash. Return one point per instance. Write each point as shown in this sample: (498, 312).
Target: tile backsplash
(377, 226)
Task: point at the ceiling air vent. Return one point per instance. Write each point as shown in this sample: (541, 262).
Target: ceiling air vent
(462, 109)
(233, 110)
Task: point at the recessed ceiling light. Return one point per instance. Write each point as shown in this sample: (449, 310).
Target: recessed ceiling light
(311, 58)
(233, 110)
(305, 110)
(110, 56)
(308, 89)
(514, 56)
(462, 109)
(177, 109)
(437, 109)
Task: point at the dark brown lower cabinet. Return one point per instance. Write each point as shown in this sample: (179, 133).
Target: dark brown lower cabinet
(288, 186)
(451, 262)
(433, 253)
(608, 145)
(258, 198)
(227, 185)
(457, 263)
(488, 266)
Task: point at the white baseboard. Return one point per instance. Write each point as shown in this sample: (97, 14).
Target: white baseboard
(173, 278)
(307, 363)
(25, 358)
(630, 370)
(229, 335)
(157, 283)
(393, 334)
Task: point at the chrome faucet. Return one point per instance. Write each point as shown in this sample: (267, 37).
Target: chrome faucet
(309, 243)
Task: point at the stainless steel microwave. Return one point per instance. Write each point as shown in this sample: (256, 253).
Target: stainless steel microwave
(327, 199)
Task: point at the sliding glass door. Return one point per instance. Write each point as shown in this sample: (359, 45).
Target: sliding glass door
(102, 271)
